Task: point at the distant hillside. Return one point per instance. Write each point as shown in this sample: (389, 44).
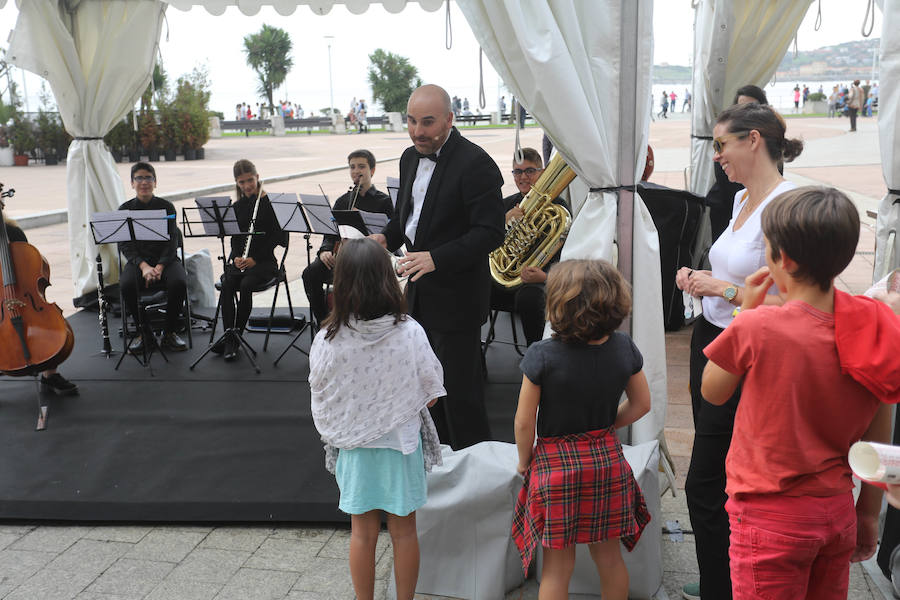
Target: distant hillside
(850, 60)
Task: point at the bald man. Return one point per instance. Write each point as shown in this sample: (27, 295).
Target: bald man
(450, 215)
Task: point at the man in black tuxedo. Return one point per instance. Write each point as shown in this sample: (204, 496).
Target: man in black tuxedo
(450, 216)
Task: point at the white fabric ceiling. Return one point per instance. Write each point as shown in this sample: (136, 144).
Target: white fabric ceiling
(287, 7)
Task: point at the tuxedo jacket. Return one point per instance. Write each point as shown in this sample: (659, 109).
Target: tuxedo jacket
(460, 224)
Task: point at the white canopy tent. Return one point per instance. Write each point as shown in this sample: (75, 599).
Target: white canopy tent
(887, 248)
(98, 57)
(540, 49)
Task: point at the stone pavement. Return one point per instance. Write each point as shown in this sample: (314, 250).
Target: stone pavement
(89, 561)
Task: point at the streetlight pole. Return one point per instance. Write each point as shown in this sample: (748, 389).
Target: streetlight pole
(330, 82)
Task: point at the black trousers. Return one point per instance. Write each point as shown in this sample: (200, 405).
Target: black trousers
(460, 417)
(173, 279)
(242, 283)
(853, 113)
(705, 485)
(315, 277)
(528, 301)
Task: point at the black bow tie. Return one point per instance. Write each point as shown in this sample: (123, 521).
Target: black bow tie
(432, 157)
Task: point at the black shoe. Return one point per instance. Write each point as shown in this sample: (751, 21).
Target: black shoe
(137, 344)
(231, 350)
(173, 343)
(218, 347)
(59, 385)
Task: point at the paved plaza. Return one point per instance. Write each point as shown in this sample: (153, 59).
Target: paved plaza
(89, 561)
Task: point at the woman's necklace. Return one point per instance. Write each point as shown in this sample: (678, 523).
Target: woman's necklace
(749, 208)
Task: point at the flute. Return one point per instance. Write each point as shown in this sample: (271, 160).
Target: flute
(252, 222)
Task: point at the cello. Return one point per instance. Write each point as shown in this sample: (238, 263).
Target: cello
(34, 336)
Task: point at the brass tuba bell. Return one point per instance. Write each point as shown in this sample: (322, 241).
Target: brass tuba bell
(535, 238)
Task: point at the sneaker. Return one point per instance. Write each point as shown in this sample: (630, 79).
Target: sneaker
(173, 343)
(691, 591)
(231, 350)
(218, 347)
(58, 385)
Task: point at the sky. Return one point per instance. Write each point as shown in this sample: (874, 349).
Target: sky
(196, 38)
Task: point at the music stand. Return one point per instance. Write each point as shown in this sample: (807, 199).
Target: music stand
(218, 219)
(310, 214)
(133, 226)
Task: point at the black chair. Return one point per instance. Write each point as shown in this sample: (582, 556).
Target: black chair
(277, 281)
(152, 302)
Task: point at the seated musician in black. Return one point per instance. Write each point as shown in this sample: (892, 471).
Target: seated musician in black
(527, 300)
(243, 275)
(51, 380)
(153, 264)
(319, 272)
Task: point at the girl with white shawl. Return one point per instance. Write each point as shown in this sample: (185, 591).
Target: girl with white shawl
(373, 376)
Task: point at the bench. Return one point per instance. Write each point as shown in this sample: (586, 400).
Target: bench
(246, 125)
(472, 119)
(308, 123)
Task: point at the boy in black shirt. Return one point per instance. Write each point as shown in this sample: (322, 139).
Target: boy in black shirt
(153, 263)
(319, 272)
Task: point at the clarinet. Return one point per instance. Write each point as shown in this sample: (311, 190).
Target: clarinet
(104, 307)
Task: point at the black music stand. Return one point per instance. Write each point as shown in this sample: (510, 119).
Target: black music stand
(133, 226)
(310, 214)
(216, 217)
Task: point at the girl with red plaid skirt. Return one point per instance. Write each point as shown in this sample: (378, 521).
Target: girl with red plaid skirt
(578, 487)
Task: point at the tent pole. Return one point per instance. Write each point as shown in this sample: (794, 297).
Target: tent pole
(629, 35)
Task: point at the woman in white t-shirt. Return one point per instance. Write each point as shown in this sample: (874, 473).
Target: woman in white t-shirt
(749, 142)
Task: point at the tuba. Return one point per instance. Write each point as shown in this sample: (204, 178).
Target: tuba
(535, 238)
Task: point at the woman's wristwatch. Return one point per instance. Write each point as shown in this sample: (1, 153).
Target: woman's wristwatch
(730, 293)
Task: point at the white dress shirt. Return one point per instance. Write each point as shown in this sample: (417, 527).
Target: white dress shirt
(420, 187)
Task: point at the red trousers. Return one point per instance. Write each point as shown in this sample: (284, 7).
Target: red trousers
(790, 547)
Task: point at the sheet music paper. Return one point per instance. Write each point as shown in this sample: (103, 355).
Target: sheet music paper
(363, 221)
(288, 213)
(318, 213)
(148, 225)
(393, 186)
(207, 212)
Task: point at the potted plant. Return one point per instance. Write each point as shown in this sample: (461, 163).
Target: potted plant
(149, 135)
(118, 139)
(6, 153)
(22, 139)
(170, 133)
(49, 133)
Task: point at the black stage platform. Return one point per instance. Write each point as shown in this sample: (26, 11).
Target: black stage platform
(219, 443)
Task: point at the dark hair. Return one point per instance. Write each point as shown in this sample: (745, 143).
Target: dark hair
(531, 155)
(365, 286)
(142, 166)
(817, 227)
(586, 300)
(370, 158)
(751, 91)
(242, 167)
(770, 125)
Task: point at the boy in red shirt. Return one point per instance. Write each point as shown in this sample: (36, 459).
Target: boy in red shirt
(816, 374)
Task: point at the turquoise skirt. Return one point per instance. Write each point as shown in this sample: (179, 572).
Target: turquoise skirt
(380, 478)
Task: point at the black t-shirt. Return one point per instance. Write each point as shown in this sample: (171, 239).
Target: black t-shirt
(153, 253)
(262, 247)
(373, 200)
(581, 384)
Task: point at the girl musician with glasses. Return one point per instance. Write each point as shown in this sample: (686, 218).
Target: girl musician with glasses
(252, 260)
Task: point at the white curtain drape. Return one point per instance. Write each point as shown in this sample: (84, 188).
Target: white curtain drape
(98, 58)
(563, 59)
(736, 42)
(887, 247)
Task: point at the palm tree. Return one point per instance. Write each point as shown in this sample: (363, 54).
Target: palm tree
(269, 54)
